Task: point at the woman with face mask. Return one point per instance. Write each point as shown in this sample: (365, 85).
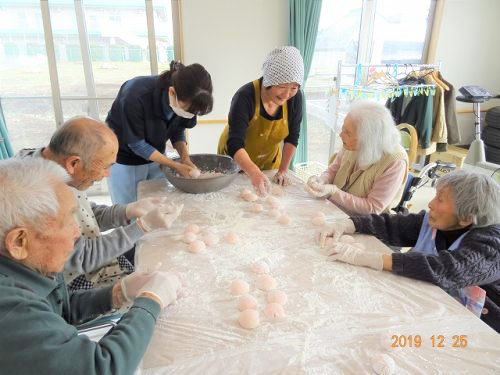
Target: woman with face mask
(263, 114)
(147, 112)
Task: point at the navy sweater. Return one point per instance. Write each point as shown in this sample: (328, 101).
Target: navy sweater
(475, 262)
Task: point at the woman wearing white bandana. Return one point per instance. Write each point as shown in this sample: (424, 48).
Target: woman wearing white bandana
(263, 114)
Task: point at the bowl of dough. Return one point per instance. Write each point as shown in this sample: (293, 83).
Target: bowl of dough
(217, 172)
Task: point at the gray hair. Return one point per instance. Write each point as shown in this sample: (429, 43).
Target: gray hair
(477, 196)
(81, 136)
(376, 131)
(27, 194)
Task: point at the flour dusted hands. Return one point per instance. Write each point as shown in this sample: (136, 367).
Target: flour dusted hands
(318, 190)
(316, 180)
(164, 286)
(353, 255)
(161, 217)
(261, 183)
(336, 230)
(281, 178)
(143, 206)
(131, 284)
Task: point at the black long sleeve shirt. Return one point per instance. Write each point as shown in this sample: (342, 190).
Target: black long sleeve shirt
(475, 262)
(243, 109)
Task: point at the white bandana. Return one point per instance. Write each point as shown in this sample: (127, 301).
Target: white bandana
(283, 65)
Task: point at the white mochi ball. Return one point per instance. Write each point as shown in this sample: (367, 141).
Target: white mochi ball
(246, 302)
(266, 282)
(277, 296)
(384, 365)
(256, 208)
(250, 197)
(239, 287)
(260, 267)
(249, 319)
(284, 219)
(274, 311)
(211, 239)
(318, 221)
(189, 237)
(232, 238)
(197, 246)
(277, 190)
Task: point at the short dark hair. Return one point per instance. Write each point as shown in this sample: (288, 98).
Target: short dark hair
(192, 84)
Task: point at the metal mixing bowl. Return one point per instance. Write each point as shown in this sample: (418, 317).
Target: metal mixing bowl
(206, 163)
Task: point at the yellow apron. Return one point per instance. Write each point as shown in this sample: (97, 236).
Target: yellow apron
(263, 138)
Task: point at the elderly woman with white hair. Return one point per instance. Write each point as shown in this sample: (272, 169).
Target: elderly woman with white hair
(369, 173)
(264, 113)
(456, 245)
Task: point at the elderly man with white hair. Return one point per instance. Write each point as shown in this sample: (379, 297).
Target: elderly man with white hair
(369, 173)
(37, 314)
(86, 149)
(456, 245)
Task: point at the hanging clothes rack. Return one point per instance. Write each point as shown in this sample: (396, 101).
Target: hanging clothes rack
(351, 84)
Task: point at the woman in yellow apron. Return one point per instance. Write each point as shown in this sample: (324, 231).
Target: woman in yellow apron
(263, 114)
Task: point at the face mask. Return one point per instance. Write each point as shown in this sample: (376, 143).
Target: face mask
(178, 110)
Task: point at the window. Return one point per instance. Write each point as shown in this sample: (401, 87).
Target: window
(88, 78)
(358, 31)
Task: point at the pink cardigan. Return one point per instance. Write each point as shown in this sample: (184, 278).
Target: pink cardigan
(383, 191)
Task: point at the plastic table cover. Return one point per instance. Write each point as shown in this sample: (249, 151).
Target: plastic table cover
(339, 319)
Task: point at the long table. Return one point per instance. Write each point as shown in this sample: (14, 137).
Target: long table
(340, 319)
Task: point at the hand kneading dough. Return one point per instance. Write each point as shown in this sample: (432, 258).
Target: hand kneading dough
(318, 221)
(277, 296)
(197, 246)
(232, 238)
(266, 282)
(384, 365)
(347, 239)
(256, 208)
(211, 239)
(195, 173)
(260, 267)
(189, 237)
(274, 311)
(193, 228)
(239, 287)
(247, 302)
(284, 219)
(249, 319)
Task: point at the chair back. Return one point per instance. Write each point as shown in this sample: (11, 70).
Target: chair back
(409, 141)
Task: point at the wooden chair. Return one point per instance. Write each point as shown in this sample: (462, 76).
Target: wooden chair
(409, 140)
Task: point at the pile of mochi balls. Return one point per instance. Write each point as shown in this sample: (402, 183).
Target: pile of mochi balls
(198, 239)
(273, 204)
(247, 304)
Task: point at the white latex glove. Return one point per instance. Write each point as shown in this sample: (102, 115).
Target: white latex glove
(321, 179)
(143, 206)
(354, 255)
(281, 178)
(261, 184)
(160, 218)
(131, 284)
(319, 190)
(165, 286)
(336, 230)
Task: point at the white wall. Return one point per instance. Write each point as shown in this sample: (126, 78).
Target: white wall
(230, 38)
(469, 48)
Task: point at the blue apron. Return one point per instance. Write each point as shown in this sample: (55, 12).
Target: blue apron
(472, 297)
